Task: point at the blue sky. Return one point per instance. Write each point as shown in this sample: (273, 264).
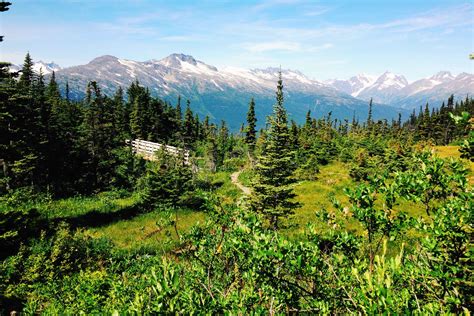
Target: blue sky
(323, 39)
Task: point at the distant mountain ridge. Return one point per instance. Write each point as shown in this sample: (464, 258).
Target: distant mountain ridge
(40, 66)
(225, 93)
(396, 91)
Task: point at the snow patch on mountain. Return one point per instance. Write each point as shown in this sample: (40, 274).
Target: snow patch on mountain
(353, 85)
(45, 68)
(390, 80)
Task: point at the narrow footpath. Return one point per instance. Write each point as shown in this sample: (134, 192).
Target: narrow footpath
(235, 180)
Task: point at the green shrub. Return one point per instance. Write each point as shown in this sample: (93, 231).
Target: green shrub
(17, 225)
(50, 259)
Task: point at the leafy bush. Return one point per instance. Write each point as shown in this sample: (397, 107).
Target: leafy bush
(50, 259)
(233, 164)
(195, 200)
(17, 225)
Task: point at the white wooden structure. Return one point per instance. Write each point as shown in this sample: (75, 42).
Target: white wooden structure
(148, 149)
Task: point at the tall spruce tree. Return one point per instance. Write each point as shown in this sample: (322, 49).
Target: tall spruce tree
(122, 114)
(369, 116)
(308, 119)
(272, 191)
(99, 140)
(178, 121)
(29, 99)
(251, 132)
(8, 112)
(27, 73)
(188, 125)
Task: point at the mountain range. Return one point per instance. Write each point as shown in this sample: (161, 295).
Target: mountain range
(225, 93)
(396, 91)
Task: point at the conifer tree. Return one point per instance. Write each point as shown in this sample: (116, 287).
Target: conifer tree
(308, 119)
(205, 127)
(31, 122)
(63, 166)
(197, 128)
(136, 120)
(223, 143)
(27, 73)
(52, 91)
(8, 112)
(179, 114)
(212, 150)
(369, 116)
(140, 112)
(294, 133)
(67, 92)
(121, 119)
(251, 132)
(188, 126)
(98, 139)
(178, 121)
(273, 193)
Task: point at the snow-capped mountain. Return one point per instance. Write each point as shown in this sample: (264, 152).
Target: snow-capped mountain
(436, 89)
(385, 89)
(45, 68)
(395, 90)
(353, 85)
(39, 66)
(219, 93)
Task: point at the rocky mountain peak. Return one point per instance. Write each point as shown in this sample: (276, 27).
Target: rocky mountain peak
(103, 59)
(443, 76)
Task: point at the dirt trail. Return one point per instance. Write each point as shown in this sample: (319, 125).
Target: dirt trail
(235, 180)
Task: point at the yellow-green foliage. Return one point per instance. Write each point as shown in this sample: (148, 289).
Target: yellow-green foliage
(453, 152)
(225, 189)
(77, 206)
(148, 231)
(246, 176)
(316, 195)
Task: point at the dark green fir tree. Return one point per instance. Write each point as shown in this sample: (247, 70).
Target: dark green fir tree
(251, 132)
(272, 191)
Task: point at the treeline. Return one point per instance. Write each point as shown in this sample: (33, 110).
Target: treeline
(366, 145)
(51, 143)
(437, 124)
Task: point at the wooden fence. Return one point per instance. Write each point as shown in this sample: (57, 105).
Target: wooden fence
(148, 149)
